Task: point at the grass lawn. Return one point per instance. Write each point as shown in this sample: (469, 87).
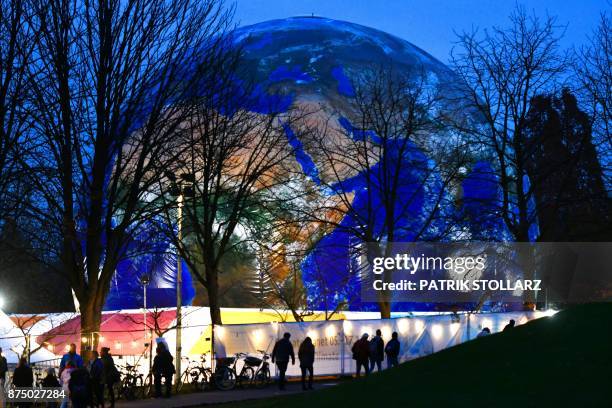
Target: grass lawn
(559, 361)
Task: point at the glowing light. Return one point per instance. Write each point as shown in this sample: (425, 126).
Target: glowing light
(101, 339)
(50, 347)
(84, 339)
(258, 336)
(486, 323)
(312, 334)
(219, 332)
(402, 326)
(118, 345)
(134, 344)
(418, 326)
(330, 331)
(67, 347)
(386, 332)
(436, 331)
(549, 312)
(1, 302)
(348, 326)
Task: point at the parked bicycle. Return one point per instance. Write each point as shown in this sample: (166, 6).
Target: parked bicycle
(132, 384)
(254, 371)
(197, 374)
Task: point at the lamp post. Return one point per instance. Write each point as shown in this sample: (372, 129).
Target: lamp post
(144, 280)
(180, 191)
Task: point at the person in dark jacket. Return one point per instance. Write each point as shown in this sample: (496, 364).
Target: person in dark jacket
(163, 367)
(510, 325)
(392, 349)
(3, 369)
(51, 381)
(361, 352)
(306, 354)
(23, 376)
(283, 349)
(110, 374)
(377, 351)
(80, 389)
(71, 355)
(96, 371)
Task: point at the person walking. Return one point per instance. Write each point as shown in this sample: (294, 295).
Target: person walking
(110, 375)
(3, 370)
(306, 355)
(377, 351)
(283, 349)
(361, 351)
(51, 381)
(71, 355)
(392, 350)
(96, 371)
(163, 367)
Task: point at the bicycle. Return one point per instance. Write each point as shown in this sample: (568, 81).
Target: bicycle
(262, 375)
(227, 378)
(131, 386)
(196, 374)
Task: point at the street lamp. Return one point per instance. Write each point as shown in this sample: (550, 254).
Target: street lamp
(145, 279)
(180, 188)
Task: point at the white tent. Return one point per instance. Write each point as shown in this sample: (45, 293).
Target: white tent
(13, 342)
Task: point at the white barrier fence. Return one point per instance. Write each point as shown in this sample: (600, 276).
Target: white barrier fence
(418, 336)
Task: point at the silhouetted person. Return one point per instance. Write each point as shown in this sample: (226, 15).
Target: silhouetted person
(71, 355)
(510, 325)
(377, 351)
(110, 374)
(392, 349)
(283, 349)
(80, 389)
(306, 354)
(96, 371)
(361, 352)
(24, 378)
(163, 367)
(3, 369)
(51, 381)
(484, 332)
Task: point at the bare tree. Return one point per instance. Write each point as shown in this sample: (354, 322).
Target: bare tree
(594, 72)
(233, 162)
(501, 71)
(108, 86)
(17, 41)
(392, 167)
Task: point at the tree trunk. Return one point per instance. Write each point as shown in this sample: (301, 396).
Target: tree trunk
(91, 318)
(212, 279)
(385, 309)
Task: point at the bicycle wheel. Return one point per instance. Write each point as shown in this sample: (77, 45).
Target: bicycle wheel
(199, 379)
(225, 378)
(263, 378)
(247, 374)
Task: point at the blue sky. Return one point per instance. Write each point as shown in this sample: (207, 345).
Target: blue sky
(429, 24)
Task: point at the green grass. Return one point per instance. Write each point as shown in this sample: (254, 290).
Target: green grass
(564, 360)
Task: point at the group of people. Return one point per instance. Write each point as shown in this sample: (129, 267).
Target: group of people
(367, 354)
(283, 351)
(371, 353)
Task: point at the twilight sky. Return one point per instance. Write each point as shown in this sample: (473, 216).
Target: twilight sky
(429, 24)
